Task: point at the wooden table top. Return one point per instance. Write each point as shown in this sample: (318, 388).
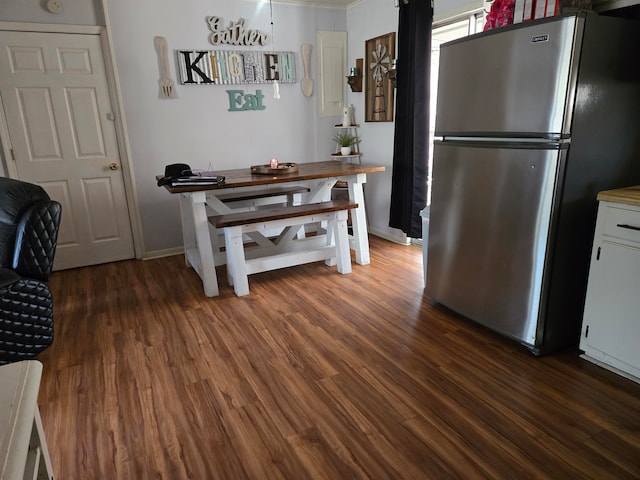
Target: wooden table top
(627, 196)
(242, 177)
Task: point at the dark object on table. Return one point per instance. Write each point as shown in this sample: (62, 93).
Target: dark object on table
(29, 223)
(173, 172)
(181, 175)
(197, 179)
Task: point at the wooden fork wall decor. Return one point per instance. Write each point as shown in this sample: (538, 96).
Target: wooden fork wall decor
(167, 85)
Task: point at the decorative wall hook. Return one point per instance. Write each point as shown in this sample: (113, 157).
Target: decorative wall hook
(393, 73)
(354, 79)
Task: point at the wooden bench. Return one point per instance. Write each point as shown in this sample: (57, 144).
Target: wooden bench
(286, 249)
(289, 194)
(246, 200)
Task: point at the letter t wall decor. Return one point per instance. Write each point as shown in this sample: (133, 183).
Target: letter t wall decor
(379, 51)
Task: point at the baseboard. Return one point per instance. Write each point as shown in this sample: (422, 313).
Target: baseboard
(395, 236)
(167, 252)
(609, 367)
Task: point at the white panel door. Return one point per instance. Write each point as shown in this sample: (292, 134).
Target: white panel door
(58, 113)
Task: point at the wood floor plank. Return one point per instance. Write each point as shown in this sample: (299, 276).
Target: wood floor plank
(314, 375)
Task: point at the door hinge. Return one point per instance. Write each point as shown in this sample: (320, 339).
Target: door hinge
(586, 332)
(598, 254)
(13, 155)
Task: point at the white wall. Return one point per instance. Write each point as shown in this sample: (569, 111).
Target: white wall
(366, 20)
(196, 128)
(74, 12)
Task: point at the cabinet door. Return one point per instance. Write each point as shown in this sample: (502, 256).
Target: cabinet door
(332, 67)
(612, 309)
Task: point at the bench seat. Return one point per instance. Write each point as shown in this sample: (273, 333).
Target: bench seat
(285, 250)
(290, 194)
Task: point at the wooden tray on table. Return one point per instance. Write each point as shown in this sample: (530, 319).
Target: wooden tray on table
(281, 169)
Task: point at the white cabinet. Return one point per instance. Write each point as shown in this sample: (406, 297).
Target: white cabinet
(610, 333)
(332, 67)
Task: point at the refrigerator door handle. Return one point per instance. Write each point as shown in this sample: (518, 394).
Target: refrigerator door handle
(628, 227)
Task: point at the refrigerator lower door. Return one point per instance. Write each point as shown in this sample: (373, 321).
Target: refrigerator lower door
(491, 214)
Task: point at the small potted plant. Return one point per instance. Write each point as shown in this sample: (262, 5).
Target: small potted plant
(345, 141)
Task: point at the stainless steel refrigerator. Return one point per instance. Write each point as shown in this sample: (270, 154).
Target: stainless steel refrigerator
(532, 121)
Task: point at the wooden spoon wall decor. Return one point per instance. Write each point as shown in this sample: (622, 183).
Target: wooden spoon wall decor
(306, 84)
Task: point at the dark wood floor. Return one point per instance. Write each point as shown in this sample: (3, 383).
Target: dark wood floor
(314, 375)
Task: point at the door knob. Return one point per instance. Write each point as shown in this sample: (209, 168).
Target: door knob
(113, 166)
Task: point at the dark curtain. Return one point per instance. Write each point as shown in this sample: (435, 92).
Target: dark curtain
(411, 139)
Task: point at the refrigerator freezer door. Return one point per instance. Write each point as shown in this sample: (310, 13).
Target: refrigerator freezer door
(489, 223)
(512, 83)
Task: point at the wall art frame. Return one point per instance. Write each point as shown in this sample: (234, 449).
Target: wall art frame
(379, 92)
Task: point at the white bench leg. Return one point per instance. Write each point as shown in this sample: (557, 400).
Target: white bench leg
(331, 235)
(296, 199)
(301, 233)
(236, 266)
(341, 236)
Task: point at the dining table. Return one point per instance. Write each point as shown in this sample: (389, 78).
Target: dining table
(202, 245)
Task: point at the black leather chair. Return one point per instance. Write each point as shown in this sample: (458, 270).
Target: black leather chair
(29, 223)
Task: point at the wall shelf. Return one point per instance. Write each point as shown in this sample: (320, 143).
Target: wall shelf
(355, 151)
(355, 81)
